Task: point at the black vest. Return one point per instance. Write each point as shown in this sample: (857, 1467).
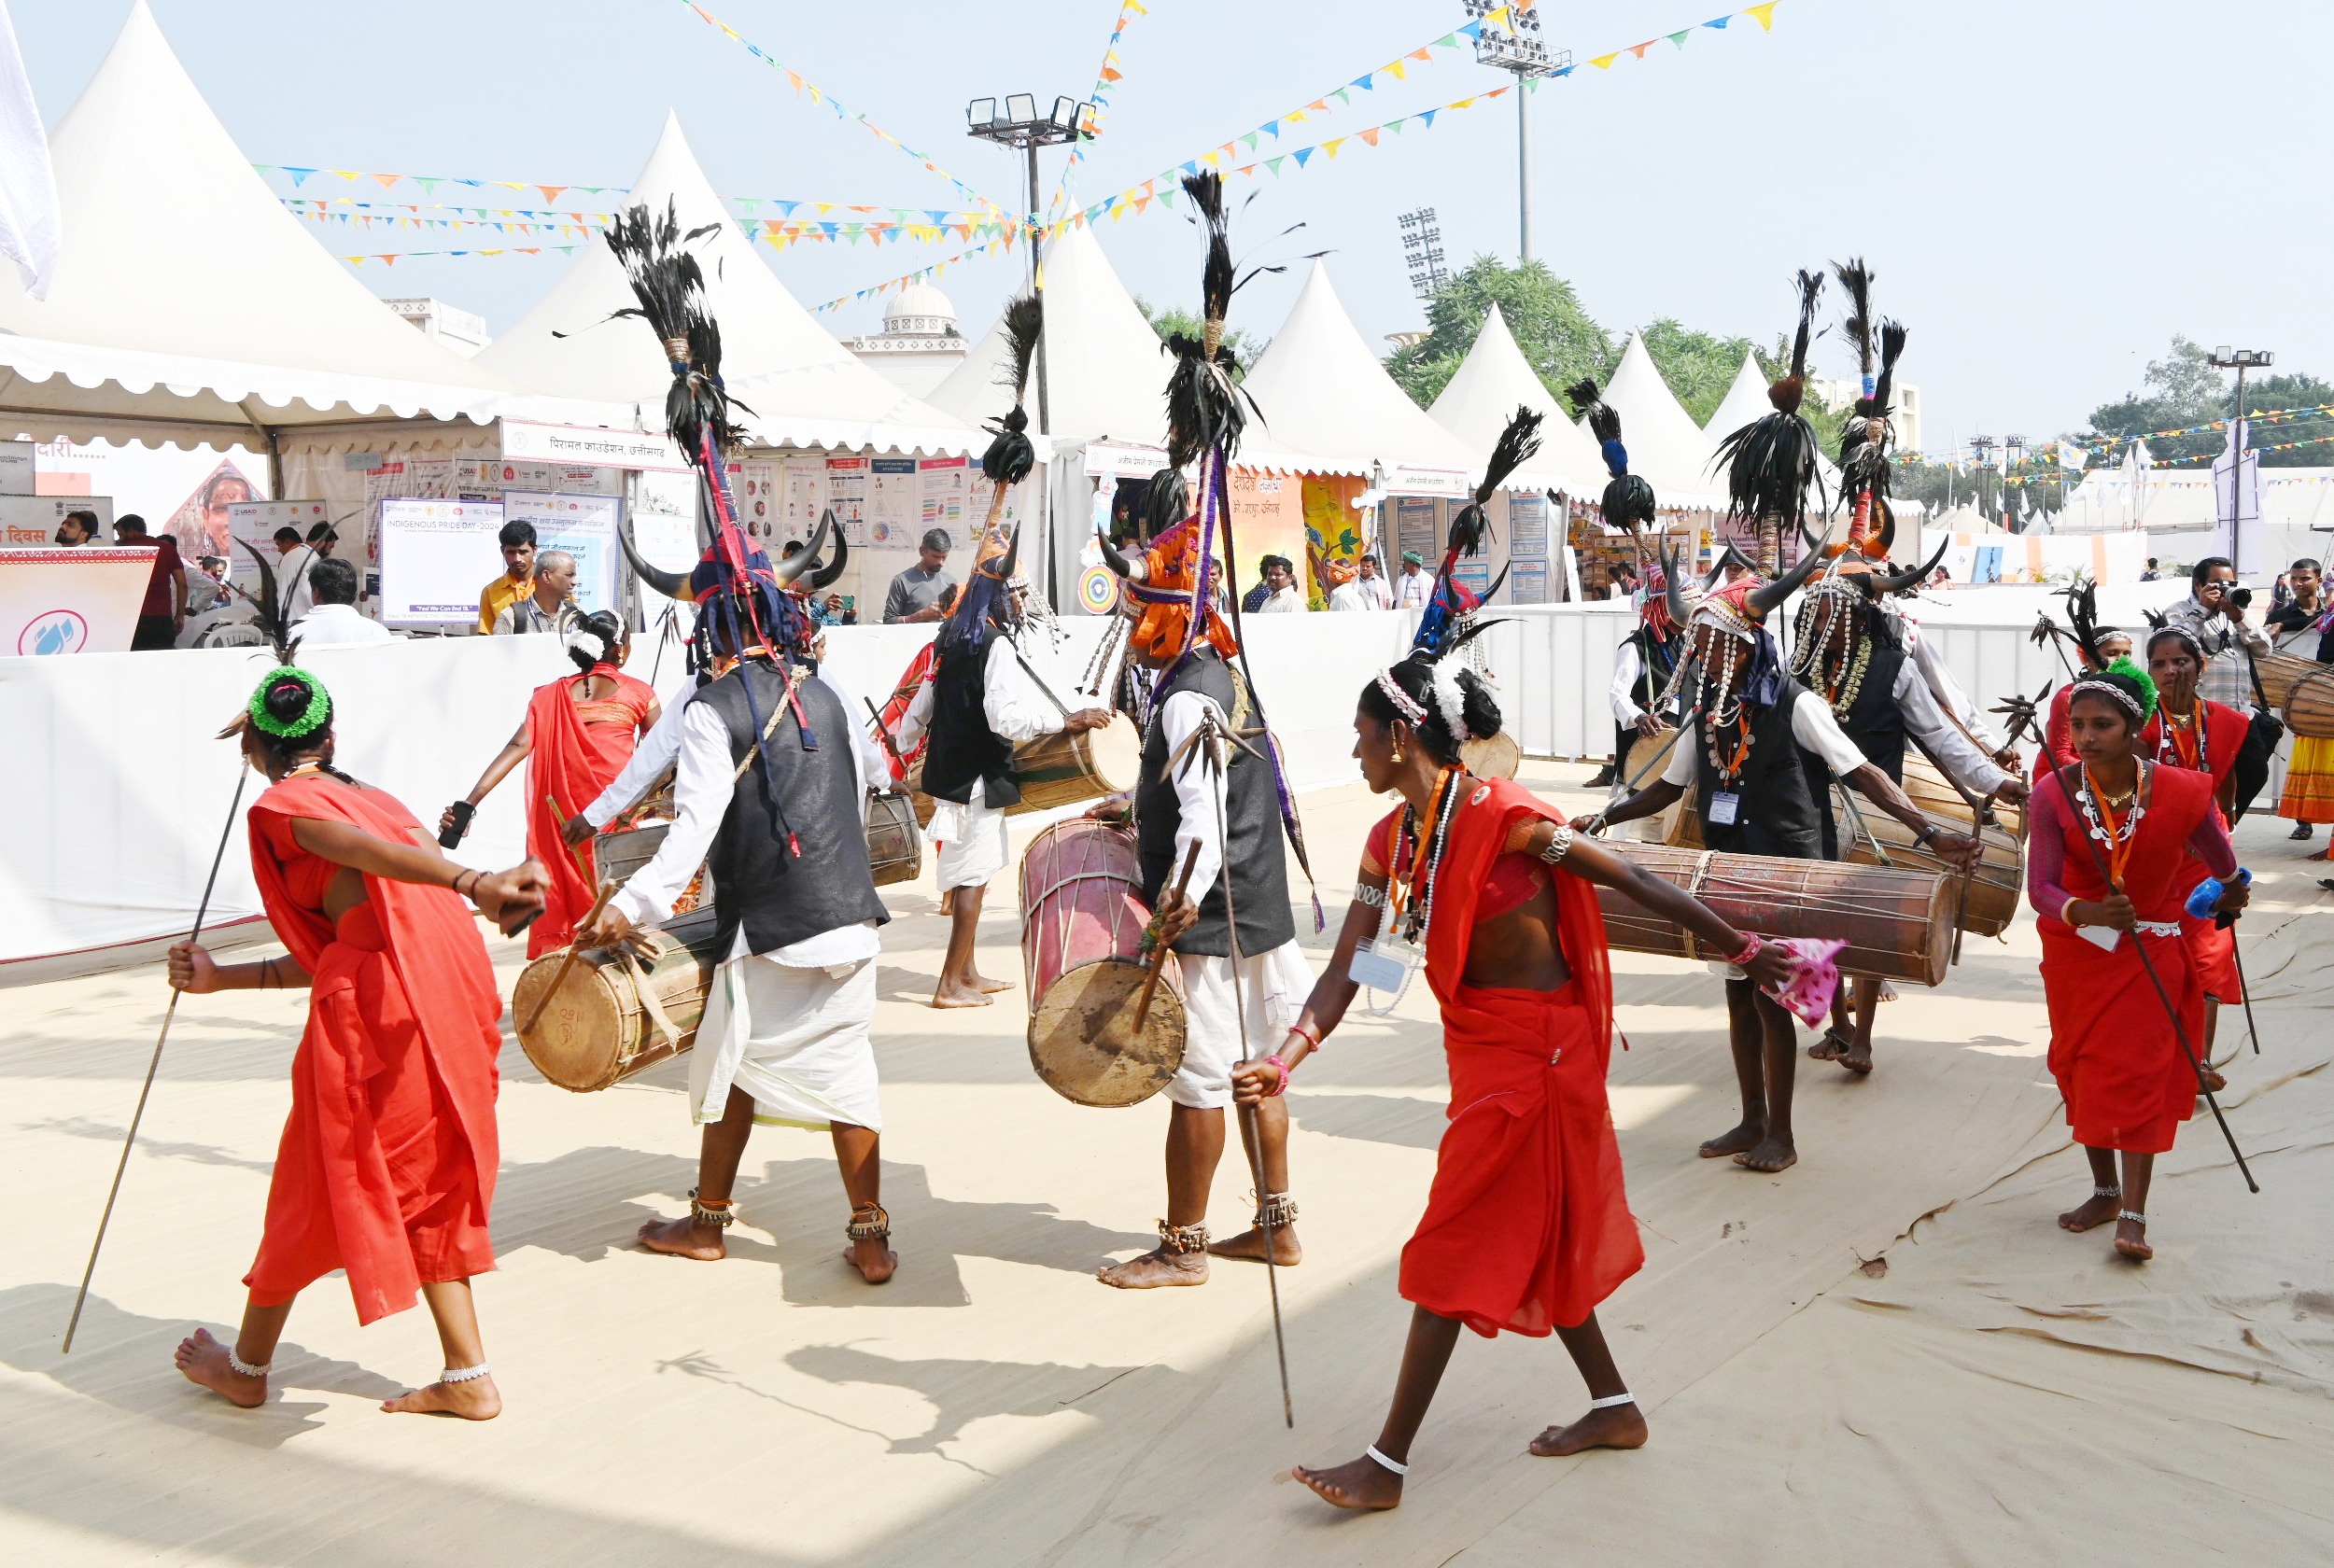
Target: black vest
(1256, 863)
(1780, 785)
(963, 748)
(775, 895)
(1874, 721)
(1656, 661)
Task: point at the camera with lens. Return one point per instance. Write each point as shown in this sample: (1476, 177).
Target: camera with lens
(2241, 596)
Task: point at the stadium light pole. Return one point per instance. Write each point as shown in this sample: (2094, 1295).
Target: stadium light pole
(2240, 360)
(1518, 50)
(1020, 127)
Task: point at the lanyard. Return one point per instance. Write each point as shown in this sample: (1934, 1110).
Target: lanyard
(2121, 835)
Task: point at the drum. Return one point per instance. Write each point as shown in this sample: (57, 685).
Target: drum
(1897, 924)
(2280, 672)
(1062, 769)
(896, 851)
(1990, 903)
(614, 1014)
(1499, 757)
(1934, 793)
(2309, 705)
(618, 855)
(1082, 920)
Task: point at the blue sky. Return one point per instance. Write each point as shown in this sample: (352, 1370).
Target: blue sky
(2048, 189)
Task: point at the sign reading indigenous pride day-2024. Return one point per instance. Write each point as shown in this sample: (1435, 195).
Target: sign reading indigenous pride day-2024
(435, 557)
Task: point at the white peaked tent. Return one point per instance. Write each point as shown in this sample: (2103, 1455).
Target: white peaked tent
(1323, 392)
(802, 386)
(188, 306)
(1491, 383)
(1105, 378)
(1664, 443)
(1746, 403)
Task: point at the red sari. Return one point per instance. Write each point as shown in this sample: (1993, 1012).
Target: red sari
(579, 749)
(2125, 1079)
(1527, 1226)
(2214, 949)
(912, 681)
(386, 1167)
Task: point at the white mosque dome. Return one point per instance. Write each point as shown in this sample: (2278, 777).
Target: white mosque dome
(921, 309)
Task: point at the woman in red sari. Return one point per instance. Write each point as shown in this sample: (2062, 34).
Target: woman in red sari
(2199, 735)
(578, 733)
(387, 1165)
(2109, 840)
(1527, 1226)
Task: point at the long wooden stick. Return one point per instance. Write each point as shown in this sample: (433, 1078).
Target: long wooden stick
(607, 891)
(1158, 950)
(242, 774)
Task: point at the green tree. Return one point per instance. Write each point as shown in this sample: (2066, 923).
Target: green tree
(1168, 320)
(2182, 390)
(1560, 340)
(1697, 367)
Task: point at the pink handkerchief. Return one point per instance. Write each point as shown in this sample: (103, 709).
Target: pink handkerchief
(1814, 978)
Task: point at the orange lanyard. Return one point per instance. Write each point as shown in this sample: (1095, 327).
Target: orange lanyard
(1422, 850)
(2118, 843)
(2187, 740)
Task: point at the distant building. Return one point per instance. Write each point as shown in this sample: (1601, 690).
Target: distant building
(919, 345)
(1840, 396)
(457, 330)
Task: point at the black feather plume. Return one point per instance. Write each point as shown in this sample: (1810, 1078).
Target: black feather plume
(272, 622)
(1204, 405)
(1771, 462)
(1787, 394)
(1024, 321)
(1856, 279)
(670, 288)
(1892, 336)
(1166, 501)
(1011, 454)
(1517, 443)
(2083, 614)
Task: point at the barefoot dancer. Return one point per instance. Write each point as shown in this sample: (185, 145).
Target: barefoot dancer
(1762, 751)
(1527, 1226)
(386, 1167)
(577, 736)
(2122, 1071)
(2196, 733)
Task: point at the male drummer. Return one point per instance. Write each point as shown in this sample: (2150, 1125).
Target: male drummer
(980, 703)
(1851, 655)
(770, 773)
(1762, 753)
(1181, 805)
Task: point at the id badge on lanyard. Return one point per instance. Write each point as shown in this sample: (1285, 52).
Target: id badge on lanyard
(1384, 962)
(1725, 807)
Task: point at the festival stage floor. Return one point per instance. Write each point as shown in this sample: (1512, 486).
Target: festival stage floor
(1887, 1354)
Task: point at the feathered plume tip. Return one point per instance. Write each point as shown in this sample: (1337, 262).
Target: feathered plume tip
(1166, 503)
(1855, 278)
(1788, 393)
(2083, 614)
(273, 623)
(1628, 499)
(1011, 456)
(1864, 445)
(670, 288)
(1517, 443)
(1205, 403)
(1892, 336)
(1771, 462)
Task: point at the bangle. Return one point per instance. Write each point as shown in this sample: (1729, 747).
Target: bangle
(1752, 943)
(1298, 1028)
(457, 882)
(1925, 835)
(1282, 1087)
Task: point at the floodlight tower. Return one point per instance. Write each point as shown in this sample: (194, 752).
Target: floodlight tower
(1518, 48)
(1422, 252)
(2240, 360)
(1022, 127)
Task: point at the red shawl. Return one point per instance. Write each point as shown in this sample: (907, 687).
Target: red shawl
(386, 1167)
(911, 681)
(2214, 949)
(571, 761)
(1527, 1227)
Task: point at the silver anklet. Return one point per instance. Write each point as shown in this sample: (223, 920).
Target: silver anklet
(2135, 1218)
(1277, 1208)
(1395, 1465)
(464, 1374)
(2107, 1192)
(719, 1215)
(1608, 1404)
(243, 1368)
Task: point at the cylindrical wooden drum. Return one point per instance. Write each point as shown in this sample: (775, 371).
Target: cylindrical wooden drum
(618, 855)
(896, 851)
(2280, 672)
(1930, 790)
(1082, 920)
(613, 1014)
(1897, 924)
(1062, 769)
(2309, 705)
(1496, 757)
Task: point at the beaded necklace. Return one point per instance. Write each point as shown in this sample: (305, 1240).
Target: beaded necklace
(2116, 834)
(2183, 741)
(1410, 898)
(1723, 710)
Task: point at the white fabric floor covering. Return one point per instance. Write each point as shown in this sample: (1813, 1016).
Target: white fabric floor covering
(1889, 1353)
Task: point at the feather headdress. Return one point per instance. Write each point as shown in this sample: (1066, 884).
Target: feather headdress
(1011, 456)
(1206, 411)
(1628, 499)
(1453, 603)
(1771, 462)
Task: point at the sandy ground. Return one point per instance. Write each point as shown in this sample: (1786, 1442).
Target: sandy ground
(1889, 1353)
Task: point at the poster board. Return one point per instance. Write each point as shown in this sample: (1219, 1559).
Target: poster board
(254, 523)
(1527, 583)
(664, 524)
(436, 554)
(1417, 527)
(16, 468)
(1267, 519)
(82, 600)
(1335, 528)
(30, 522)
(582, 525)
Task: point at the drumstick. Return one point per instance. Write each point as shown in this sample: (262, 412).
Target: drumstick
(885, 735)
(1598, 826)
(607, 891)
(1159, 953)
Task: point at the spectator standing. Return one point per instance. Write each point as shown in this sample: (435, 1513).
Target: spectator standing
(206, 585)
(518, 575)
(78, 528)
(1415, 586)
(1370, 586)
(2151, 575)
(2211, 610)
(321, 538)
(1253, 600)
(922, 593)
(550, 604)
(335, 621)
(164, 609)
(293, 561)
(2301, 628)
(1281, 597)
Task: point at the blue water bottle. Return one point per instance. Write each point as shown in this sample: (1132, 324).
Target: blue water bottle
(2208, 893)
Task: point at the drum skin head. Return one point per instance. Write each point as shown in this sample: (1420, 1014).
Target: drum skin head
(573, 1043)
(1494, 757)
(1082, 1041)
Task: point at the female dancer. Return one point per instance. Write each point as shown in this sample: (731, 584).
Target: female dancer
(386, 1167)
(1527, 1226)
(580, 730)
(2109, 843)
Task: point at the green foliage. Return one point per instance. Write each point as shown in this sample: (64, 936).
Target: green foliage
(2183, 389)
(1698, 367)
(1167, 320)
(1559, 339)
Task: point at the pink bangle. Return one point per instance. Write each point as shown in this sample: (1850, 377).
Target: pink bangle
(1282, 1087)
(1752, 943)
(1298, 1030)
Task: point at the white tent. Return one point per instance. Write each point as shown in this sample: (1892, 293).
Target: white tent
(801, 383)
(188, 306)
(1664, 443)
(1323, 392)
(1482, 396)
(1746, 403)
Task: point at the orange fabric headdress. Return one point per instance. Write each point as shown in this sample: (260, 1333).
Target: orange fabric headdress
(1165, 596)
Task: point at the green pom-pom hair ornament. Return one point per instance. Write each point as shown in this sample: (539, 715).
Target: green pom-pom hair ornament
(313, 717)
(2126, 682)
(2130, 669)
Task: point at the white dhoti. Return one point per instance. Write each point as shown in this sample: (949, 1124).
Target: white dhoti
(794, 1039)
(1272, 990)
(971, 840)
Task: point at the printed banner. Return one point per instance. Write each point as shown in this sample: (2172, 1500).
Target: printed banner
(582, 525)
(435, 557)
(82, 600)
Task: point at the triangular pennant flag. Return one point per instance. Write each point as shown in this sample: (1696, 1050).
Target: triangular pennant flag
(1273, 164)
(1638, 49)
(1301, 155)
(1448, 40)
(387, 180)
(1718, 22)
(1764, 15)
(1678, 39)
(1363, 80)
(1249, 141)
(1395, 68)
(551, 192)
(1604, 61)
(1273, 128)
(1370, 137)
(1426, 117)
(1473, 30)
(1343, 96)
(429, 183)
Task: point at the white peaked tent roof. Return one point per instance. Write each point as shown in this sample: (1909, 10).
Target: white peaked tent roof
(1324, 393)
(1664, 443)
(1105, 378)
(1490, 383)
(1746, 401)
(185, 296)
(801, 383)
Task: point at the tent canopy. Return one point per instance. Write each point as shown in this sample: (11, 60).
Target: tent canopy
(1490, 383)
(802, 386)
(1746, 403)
(1664, 443)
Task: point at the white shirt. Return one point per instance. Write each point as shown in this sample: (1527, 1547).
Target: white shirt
(693, 739)
(1413, 589)
(1200, 793)
(1361, 593)
(330, 626)
(1286, 602)
(1947, 690)
(292, 594)
(1627, 667)
(1816, 730)
(1010, 701)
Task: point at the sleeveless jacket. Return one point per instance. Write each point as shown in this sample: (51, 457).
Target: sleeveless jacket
(777, 896)
(1256, 864)
(1780, 787)
(963, 748)
(1655, 660)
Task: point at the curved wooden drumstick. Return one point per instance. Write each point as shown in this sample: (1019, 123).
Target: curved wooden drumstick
(1160, 949)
